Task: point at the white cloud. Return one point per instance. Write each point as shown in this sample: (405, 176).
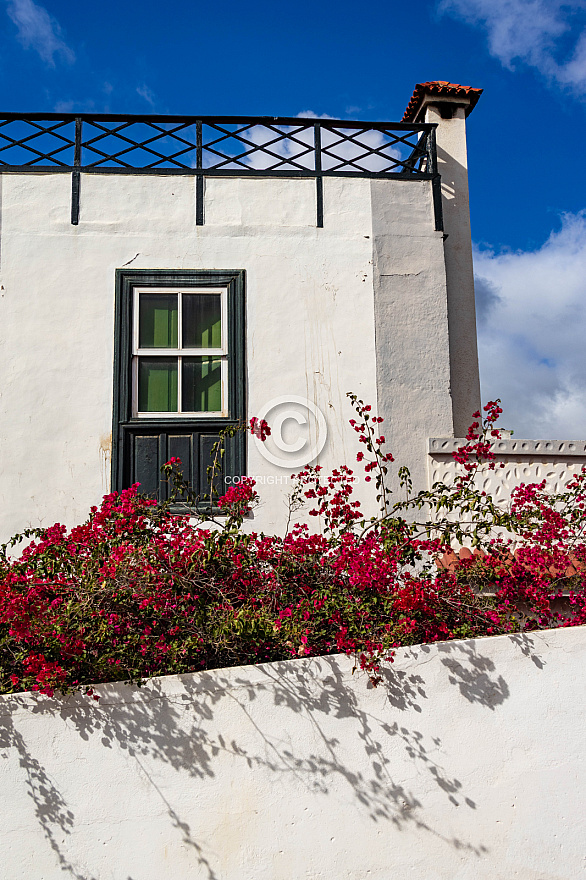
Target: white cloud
(147, 94)
(39, 31)
(309, 114)
(69, 106)
(544, 34)
(532, 332)
(64, 106)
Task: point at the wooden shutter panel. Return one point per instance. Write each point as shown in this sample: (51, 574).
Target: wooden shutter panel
(149, 450)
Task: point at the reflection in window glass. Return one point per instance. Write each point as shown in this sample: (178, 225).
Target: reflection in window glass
(158, 320)
(202, 384)
(157, 385)
(202, 320)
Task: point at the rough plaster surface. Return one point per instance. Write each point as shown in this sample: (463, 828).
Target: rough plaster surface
(467, 763)
(452, 161)
(411, 321)
(320, 320)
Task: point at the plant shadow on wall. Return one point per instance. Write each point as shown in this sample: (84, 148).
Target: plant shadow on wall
(138, 592)
(191, 727)
(51, 810)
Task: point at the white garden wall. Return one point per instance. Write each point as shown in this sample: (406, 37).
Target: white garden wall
(465, 764)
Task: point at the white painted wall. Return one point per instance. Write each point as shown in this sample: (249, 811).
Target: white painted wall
(411, 322)
(452, 161)
(466, 764)
(317, 312)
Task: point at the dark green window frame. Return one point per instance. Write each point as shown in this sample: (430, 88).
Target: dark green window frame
(141, 445)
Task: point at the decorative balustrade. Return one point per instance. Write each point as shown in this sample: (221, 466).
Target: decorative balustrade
(217, 146)
(525, 461)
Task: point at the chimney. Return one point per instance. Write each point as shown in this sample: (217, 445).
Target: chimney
(448, 105)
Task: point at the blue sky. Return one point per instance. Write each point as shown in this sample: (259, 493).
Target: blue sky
(525, 138)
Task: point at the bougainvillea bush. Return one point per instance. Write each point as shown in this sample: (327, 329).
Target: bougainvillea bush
(138, 591)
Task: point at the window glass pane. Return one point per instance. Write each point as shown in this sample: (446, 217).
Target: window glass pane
(202, 384)
(157, 320)
(202, 320)
(157, 384)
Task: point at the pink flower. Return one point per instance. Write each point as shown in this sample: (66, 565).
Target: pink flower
(259, 428)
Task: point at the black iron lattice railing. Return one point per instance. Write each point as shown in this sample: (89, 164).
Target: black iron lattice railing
(216, 146)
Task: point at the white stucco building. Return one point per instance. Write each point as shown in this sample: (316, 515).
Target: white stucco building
(161, 277)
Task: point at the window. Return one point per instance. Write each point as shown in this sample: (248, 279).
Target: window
(179, 374)
(180, 352)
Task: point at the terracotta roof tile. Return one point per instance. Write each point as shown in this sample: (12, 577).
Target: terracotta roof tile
(441, 89)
